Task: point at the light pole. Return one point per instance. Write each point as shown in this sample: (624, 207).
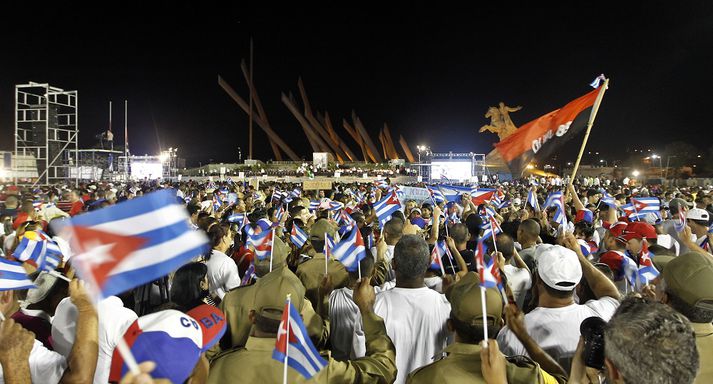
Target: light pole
(420, 148)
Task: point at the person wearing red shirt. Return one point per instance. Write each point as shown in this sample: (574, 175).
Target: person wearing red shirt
(77, 203)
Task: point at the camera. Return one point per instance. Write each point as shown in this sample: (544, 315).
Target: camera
(592, 330)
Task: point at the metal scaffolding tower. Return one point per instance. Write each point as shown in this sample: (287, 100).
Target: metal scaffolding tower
(46, 128)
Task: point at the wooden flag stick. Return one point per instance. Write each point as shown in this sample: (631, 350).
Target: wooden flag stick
(592, 116)
(485, 316)
(287, 341)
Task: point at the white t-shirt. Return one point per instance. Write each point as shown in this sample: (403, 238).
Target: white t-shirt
(343, 315)
(114, 320)
(520, 281)
(223, 274)
(556, 330)
(416, 323)
(46, 366)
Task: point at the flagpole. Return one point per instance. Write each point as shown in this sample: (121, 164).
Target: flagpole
(359, 267)
(287, 340)
(272, 247)
(485, 317)
(326, 256)
(592, 116)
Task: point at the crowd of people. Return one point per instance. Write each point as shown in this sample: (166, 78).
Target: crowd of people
(586, 291)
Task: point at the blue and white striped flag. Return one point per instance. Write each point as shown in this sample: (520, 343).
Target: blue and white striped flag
(132, 243)
(13, 276)
(351, 250)
(298, 236)
(294, 347)
(38, 250)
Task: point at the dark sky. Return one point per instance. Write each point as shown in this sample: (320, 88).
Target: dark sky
(429, 72)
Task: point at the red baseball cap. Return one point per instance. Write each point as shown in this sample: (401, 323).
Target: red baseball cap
(639, 230)
(617, 229)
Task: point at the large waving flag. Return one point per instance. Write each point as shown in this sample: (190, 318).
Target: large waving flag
(13, 276)
(386, 207)
(351, 250)
(540, 137)
(132, 243)
(298, 237)
(294, 347)
(38, 250)
(482, 195)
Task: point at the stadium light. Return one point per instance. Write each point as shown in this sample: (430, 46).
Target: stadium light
(635, 173)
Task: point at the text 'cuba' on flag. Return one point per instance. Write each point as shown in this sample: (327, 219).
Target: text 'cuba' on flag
(132, 243)
(539, 138)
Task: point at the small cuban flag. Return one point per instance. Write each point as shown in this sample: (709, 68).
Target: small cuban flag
(532, 200)
(439, 250)
(351, 250)
(489, 272)
(294, 347)
(647, 270)
(13, 276)
(298, 236)
(38, 250)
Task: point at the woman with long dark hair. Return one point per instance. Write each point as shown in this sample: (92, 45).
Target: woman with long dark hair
(189, 287)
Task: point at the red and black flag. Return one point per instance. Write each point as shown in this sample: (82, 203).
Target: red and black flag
(540, 137)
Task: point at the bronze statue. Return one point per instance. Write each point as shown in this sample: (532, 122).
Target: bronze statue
(500, 122)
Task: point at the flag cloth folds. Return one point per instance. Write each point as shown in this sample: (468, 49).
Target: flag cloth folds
(540, 137)
(294, 347)
(132, 243)
(351, 250)
(298, 237)
(38, 250)
(13, 276)
(386, 207)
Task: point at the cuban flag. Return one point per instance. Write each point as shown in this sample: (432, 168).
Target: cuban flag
(680, 223)
(381, 184)
(294, 347)
(279, 213)
(489, 272)
(13, 276)
(646, 204)
(248, 276)
(482, 195)
(132, 243)
(647, 270)
(556, 199)
(440, 249)
(629, 270)
(239, 218)
(492, 228)
(552, 198)
(313, 205)
(262, 242)
(584, 247)
(38, 250)
(276, 195)
(532, 201)
(386, 207)
(436, 196)
(607, 199)
(335, 206)
(328, 245)
(453, 192)
(298, 236)
(351, 250)
(369, 241)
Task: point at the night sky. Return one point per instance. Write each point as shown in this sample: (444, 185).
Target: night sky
(429, 72)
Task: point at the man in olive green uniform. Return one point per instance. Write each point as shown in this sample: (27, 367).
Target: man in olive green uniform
(237, 303)
(254, 363)
(311, 271)
(688, 285)
(462, 365)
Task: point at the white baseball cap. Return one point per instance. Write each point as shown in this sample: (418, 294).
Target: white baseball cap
(698, 214)
(559, 268)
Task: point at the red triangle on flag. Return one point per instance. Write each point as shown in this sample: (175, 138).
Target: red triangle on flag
(101, 252)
